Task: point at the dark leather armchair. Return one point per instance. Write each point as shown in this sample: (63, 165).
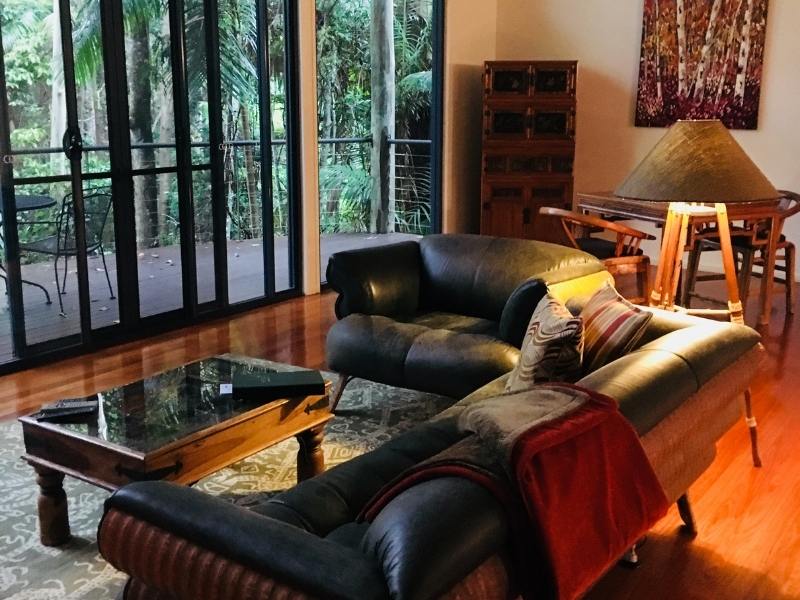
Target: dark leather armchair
(447, 314)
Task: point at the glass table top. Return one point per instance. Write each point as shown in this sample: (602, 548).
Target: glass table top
(149, 414)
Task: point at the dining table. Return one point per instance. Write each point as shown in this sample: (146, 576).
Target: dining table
(607, 204)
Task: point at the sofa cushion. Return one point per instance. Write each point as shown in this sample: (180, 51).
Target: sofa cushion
(458, 323)
(552, 349)
(328, 501)
(612, 326)
(518, 310)
(411, 355)
(475, 275)
(455, 364)
(372, 347)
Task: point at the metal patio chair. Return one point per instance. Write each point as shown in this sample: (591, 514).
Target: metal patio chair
(97, 206)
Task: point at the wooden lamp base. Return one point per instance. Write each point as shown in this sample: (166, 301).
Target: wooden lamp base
(665, 288)
(676, 232)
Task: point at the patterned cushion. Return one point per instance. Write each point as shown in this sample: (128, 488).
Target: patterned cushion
(612, 326)
(552, 348)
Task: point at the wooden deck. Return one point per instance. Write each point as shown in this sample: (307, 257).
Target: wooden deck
(160, 284)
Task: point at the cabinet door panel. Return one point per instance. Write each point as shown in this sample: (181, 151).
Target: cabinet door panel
(506, 122)
(507, 79)
(503, 208)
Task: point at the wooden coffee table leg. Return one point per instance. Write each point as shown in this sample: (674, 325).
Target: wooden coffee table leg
(310, 459)
(53, 516)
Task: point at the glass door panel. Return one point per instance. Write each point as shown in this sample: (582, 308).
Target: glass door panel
(92, 114)
(39, 267)
(153, 158)
(241, 129)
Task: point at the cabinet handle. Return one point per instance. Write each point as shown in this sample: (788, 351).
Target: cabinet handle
(526, 216)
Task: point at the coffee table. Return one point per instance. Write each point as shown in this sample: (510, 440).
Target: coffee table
(180, 425)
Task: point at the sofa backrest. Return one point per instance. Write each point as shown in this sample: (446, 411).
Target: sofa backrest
(474, 275)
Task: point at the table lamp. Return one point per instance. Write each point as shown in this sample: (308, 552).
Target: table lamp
(698, 168)
(695, 165)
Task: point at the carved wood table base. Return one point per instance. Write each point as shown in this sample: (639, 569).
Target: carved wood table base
(53, 515)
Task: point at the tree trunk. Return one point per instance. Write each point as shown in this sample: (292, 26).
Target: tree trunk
(383, 115)
(728, 53)
(744, 56)
(659, 94)
(166, 156)
(254, 213)
(141, 125)
(58, 96)
(702, 67)
(681, 18)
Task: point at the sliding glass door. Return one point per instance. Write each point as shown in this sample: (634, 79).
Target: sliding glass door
(380, 104)
(139, 165)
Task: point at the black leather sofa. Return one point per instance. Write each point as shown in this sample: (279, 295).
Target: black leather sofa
(447, 538)
(446, 314)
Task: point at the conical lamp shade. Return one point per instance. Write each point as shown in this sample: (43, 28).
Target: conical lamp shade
(697, 161)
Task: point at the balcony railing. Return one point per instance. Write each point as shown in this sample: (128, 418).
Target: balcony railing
(345, 185)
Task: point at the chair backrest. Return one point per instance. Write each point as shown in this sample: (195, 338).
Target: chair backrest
(96, 208)
(628, 238)
(789, 204)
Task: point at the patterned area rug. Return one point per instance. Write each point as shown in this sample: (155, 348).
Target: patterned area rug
(369, 414)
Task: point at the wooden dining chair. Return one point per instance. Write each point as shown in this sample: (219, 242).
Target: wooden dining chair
(621, 256)
(750, 250)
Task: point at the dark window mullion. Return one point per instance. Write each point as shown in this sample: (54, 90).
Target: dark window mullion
(294, 181)
(211, 22)
(265, 133)
(12, 264)
(437, 116)
(73, 136)
(113, 36)
(183, 154)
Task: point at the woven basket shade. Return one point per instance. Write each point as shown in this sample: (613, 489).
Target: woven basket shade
(697, 161)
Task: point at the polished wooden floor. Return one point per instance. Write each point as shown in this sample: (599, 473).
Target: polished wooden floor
(748, 546)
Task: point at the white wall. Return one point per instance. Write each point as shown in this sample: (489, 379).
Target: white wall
(470, 37)
(604, 36)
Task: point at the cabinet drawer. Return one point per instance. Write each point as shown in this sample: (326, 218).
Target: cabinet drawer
(506, 122)
(516, 163)
(553, 80)
(507, 79)
(552, 123)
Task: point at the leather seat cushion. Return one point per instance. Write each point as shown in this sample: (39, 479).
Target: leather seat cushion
(327, 502)
(457, 323)
(408, 354)
(599, 247)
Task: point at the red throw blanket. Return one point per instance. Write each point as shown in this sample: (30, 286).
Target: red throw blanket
(578, 468)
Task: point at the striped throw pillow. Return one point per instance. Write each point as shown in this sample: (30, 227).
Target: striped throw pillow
(612, 326)
(552, 348)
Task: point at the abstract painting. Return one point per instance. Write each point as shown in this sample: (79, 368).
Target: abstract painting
(701, 59)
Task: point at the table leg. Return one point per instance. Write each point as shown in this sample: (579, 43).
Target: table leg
(53, 516)
(768, 276)
(310, 458)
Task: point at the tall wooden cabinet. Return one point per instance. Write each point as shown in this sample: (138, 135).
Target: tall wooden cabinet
(528, 144)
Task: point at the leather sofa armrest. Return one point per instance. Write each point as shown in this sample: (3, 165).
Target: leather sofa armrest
(518, 310)
(421, 540)
(376, 281)
(146, 523)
